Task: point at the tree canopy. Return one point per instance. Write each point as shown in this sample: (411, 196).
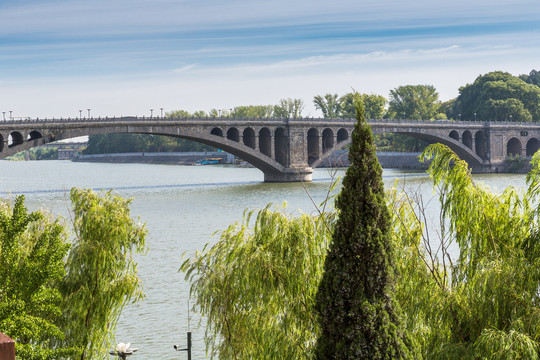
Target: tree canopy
(480, 304)
(329, 104)
(498, 96)
(101, 274)
(289, 108)
(256, 286)
(533, 78)
(127, 143)
(62, 301)
(32, 251)
(374, 105)
(415, 102)
(484, 303)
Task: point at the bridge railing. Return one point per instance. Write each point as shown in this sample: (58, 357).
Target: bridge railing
(228, 119)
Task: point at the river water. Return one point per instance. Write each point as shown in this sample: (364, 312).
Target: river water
(182, 206)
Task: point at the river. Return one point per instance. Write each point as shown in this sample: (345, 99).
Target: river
(182, 207)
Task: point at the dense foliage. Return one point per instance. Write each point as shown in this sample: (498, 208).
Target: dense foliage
(358, 315)
(101, 274)
(37, 153)
(484, 304)
(498, 96)
(256, 286)
(533, 78)
(415, 102)
(32, 251)
(129, 143)
(329, 104)
(480, 303)
(333, 106)
(60, 304)
(289, 108)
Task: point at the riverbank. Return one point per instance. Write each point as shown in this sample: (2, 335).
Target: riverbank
(173, 158)
(393, 160)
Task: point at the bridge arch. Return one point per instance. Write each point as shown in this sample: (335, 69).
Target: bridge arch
(327, 140)
(533, 145)
(342, 135)
(248, 136)
(313, 145)
(281, 146)
(217, 132)
(513, 147)
(233, 134)
(15, 138)
(481, 144)
(454, 135)
(265, 141)
(33, 135)
(1, 142)
(466, 138)
(461, 149)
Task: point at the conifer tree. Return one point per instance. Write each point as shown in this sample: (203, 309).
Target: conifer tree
(358, 315)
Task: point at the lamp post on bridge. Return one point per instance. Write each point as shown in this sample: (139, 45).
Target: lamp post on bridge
(161, 112)
(10, 116)
(4, 113)
(151, 113)
(88, 113)
(80, 114)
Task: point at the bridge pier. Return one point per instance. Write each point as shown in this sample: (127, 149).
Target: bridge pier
(290, 175)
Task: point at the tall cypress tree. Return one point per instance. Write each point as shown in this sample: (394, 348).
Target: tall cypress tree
(358, 315)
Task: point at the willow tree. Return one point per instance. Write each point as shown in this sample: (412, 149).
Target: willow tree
(101, 274)
(482, 303)
(358, 316)
(256, 286)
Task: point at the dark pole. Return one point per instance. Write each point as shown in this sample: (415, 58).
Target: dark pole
(189, 345)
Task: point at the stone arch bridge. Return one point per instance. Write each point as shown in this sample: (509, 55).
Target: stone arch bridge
(287, 149)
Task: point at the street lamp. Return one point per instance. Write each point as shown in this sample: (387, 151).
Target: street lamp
(10, 117)
(80, 114)
(474, 116)
(188, 348)
(161, 112)
(88, 113)
(151, 113)
(4, 113)
(459, 115)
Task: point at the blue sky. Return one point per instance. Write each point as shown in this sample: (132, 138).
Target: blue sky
(125, 57)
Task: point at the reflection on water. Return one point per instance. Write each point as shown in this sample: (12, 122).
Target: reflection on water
(183, 206)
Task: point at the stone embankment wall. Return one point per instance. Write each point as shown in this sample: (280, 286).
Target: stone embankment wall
(390, 160)
(338, 159)
(181, 158)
